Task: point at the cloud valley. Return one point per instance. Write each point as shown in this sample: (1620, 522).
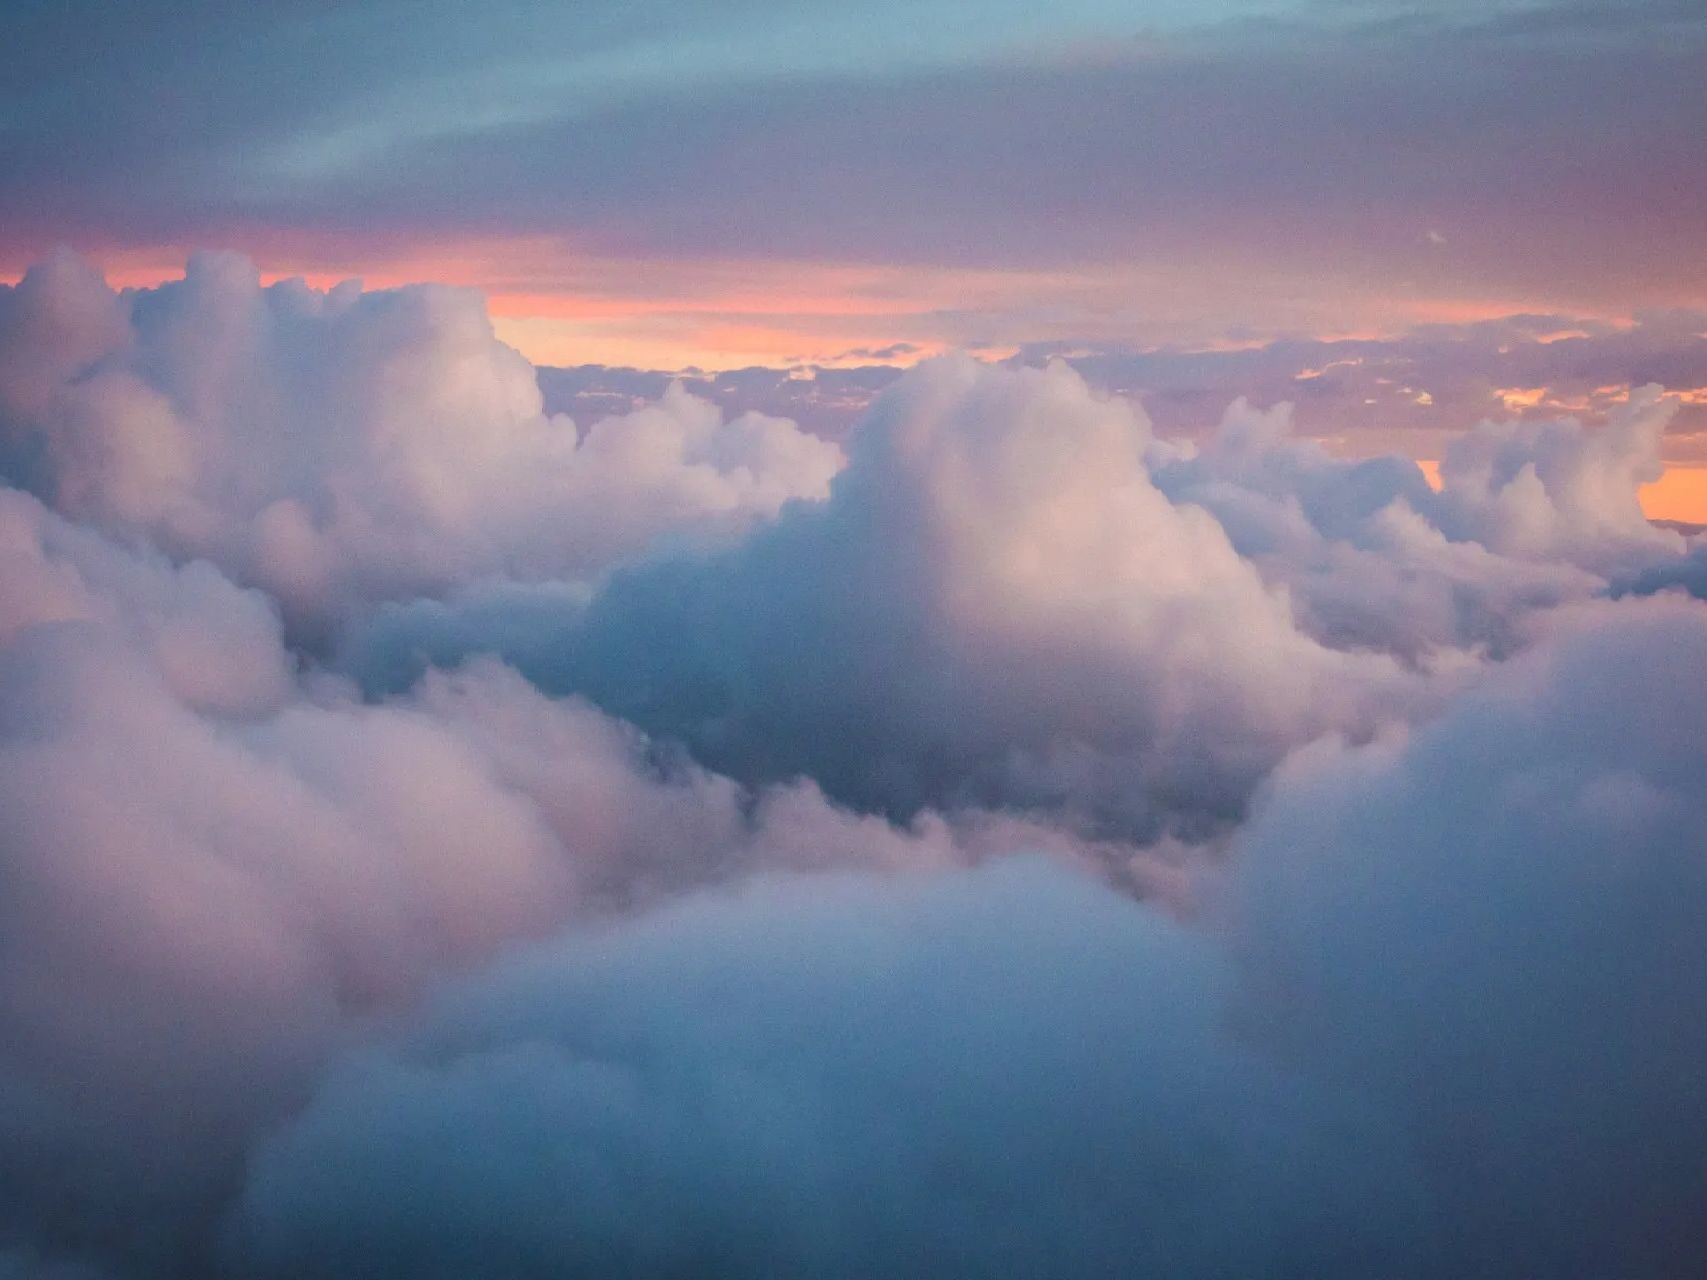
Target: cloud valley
(439, 837)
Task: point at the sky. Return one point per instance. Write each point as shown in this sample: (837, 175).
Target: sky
(745, 640)
(665, 185)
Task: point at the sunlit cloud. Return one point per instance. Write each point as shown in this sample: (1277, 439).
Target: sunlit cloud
(403, 784)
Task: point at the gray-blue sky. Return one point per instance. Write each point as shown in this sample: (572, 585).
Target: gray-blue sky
(1262, 163)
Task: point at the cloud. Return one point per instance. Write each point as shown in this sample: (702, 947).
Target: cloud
(1016, 594)
(829, 402)
(1528, 516)
(883, 147)
(1496, 924)
(218, 866)
(1447, 1025)
(1043, 845)
(218, 647)
(335, 448)
(1003, 1073)
(1412, 392)
(1556, 489)
(1416, 390)
(995, 604)
(1687, 573)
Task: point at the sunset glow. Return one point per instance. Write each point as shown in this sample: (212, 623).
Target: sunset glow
(1680, 494)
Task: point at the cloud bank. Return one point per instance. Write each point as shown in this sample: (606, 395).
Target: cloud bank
(1016, 593)
(960, 1077)
(336, 448)
(1021, 842)
(1495, 925)
(1411, 392)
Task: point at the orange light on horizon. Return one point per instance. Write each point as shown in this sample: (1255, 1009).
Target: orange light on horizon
(1679, 494)
(559, 305)
(562, 299)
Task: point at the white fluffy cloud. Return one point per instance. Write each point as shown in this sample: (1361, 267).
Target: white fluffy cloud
(727, 971)
(1016, 593)
(1528, 517)
(339, 447)
(1557, 489)
(217, 646)
(996, 603)
(215, 868)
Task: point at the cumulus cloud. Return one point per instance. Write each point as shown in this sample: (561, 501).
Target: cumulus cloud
(216, 867)
(1556, 489)
(1448, 1027)
(217, 646)
(995, 602)
(1686, 573)
(336, 447)
(1496, 925)
(1017, 593)
(1005, 1073)
(543, 852)
(1528, 516)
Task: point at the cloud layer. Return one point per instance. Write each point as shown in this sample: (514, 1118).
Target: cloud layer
(438, 839)
(1496, 926)
(1016, 593)
(1412, 392)
(1448, 1028)
(1009, 1072)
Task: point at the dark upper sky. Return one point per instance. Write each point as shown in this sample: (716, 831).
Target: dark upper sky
(723, 182)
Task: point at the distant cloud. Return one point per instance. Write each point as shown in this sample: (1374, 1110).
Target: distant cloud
(1411, 393)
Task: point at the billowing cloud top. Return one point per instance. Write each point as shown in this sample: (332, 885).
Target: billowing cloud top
(338, 446)
(438, 838)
